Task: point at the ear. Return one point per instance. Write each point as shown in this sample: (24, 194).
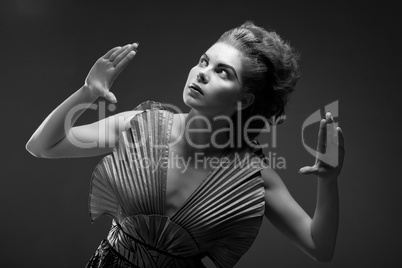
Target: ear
(246, 100)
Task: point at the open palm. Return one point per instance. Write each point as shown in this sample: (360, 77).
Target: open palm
(105, 70)
(330, 150)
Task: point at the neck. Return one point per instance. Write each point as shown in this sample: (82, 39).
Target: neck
(204, 134)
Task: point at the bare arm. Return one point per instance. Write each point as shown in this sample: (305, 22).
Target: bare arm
(56, 137)
(316, 236)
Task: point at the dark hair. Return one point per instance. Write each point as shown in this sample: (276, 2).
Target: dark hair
(270, 72)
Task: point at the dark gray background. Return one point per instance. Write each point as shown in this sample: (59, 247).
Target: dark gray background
(350, 52)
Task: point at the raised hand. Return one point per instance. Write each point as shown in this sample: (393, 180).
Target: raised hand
(330, 150)
(105, 70)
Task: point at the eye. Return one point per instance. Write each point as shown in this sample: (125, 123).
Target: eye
(223, 73)
(203, 62)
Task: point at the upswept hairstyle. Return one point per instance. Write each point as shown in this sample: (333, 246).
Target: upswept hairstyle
(270, 72)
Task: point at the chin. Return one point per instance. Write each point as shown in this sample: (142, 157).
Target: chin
(190, 102)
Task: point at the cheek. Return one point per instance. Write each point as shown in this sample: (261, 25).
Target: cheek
(226, 91)
(224, 98)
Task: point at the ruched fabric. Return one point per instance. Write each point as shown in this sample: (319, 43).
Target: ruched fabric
(220, 219)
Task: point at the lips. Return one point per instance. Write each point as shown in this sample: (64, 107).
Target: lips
(196, 88)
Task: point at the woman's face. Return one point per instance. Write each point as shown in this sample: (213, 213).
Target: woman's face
(214, 85)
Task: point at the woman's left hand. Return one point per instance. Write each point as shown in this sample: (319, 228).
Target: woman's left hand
(330, 151)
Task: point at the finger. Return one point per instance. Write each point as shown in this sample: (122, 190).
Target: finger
(308, 170)
(322, 135)
(331, 128)
(123, 63)
(110, 97)
(123, 55)
(117, 53)
(333, 136)
(328, 117)
(341, 140)
(110, 52)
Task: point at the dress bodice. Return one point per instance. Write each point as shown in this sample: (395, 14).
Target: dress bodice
(221, 218)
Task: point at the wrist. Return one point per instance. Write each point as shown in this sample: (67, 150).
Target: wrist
(328, 180)
(87, 93)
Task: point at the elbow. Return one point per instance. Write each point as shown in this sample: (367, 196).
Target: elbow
(33, 150)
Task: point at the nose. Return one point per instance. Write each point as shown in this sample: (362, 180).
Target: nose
(201, 77)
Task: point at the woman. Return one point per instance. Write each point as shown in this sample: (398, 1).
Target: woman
(180, 187)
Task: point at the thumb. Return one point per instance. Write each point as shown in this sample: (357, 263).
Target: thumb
(110, 97)
(308, 170)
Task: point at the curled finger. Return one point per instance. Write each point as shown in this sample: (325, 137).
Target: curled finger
(341, 140)
(322, 135)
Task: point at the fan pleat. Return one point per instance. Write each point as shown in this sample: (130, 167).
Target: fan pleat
(133, 176)
(130, 186)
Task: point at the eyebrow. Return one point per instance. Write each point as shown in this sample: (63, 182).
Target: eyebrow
(225, 66)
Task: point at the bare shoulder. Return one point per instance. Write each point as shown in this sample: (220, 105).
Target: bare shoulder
(271, 179)
(179, 118)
